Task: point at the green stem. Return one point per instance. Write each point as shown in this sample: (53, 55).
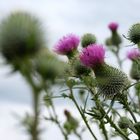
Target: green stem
(58, 123)
(117, 56)
(81, 113)
(25, 71)
(98, 104)
(104, 130)
(35, 131)
(131, 113)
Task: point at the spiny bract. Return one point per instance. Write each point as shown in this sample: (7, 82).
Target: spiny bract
(110, 81)
(134, 33)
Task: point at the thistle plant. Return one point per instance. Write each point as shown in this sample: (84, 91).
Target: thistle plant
(101, 87)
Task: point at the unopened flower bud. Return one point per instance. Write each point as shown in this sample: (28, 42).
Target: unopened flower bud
(124, 123)
(88, 39)
(20, 36)
(134, 33)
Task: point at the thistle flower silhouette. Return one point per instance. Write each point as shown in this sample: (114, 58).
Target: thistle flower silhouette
(110, 81)
(67, 45)
(134, 55)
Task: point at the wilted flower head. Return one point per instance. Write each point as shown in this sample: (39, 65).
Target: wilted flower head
(93, 55)
(133, 54)
(113, 26)
(67, 44)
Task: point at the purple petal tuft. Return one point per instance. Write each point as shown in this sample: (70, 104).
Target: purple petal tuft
(67, 44)
(113, 26)
(92, 55)
(133, 54)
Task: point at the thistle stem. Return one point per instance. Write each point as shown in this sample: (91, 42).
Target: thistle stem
(131, 113)
(81, 113)
(35, 131)
(98, 104)
(58, 123)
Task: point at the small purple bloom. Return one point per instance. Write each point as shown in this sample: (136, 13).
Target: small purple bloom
(133, 54)
(67, 44)
(113, 26)
(93, 55)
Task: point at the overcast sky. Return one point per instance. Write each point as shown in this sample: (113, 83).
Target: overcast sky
(60, 17)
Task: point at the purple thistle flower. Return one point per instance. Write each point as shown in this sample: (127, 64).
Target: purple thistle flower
(67, 44)
(133, 54)
(93, 55)
(113, 26)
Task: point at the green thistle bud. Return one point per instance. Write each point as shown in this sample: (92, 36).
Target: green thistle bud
(20, 36)
(124, 123)
(71, 123)
(77, 68)
(88, 39)
(110, 80)
(134, 33)
(135, 71)
(48, 66)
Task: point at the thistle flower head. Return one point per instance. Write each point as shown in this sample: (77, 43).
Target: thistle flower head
(134, 33)
(20, 36)
(93, 55)
(133, 54)
(88, 39)
(113, 26)
(110, 81)
(67, 44)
